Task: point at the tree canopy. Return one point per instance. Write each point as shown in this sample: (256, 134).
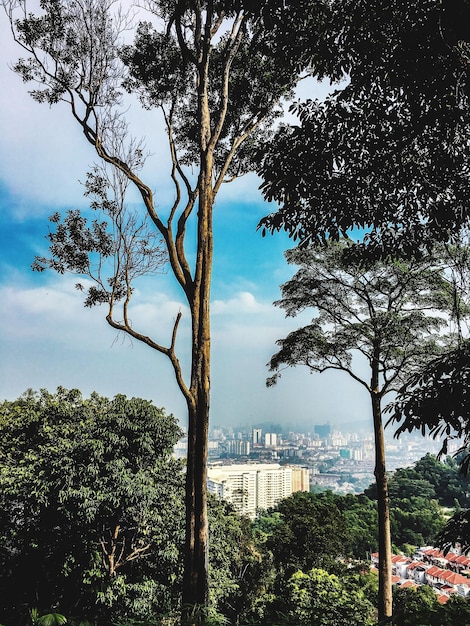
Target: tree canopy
(309, 531)
(317, 598)
(90, 506)
(436, 400)
(387, 151)
(388, 313)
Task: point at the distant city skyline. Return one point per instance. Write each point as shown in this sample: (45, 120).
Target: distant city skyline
(336, 460)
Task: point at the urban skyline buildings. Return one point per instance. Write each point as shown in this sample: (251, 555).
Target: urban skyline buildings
(340, 461)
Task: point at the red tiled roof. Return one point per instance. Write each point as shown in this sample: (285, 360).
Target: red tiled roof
(462, 560)
(446, 575)
(397, 558)
(434, 552)
(409, 583)
(442, 599)
(433, 571)
(458, 579)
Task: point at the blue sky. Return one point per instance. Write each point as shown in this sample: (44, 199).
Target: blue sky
(47, 337)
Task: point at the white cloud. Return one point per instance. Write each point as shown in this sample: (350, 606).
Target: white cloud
(48, 313)
(243, 303)
(43, 151)
(48, 339)
(56, 310)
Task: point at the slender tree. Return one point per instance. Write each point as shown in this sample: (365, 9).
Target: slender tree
(377, 324)
(216, 71)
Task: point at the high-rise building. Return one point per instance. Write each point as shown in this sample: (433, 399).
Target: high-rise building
(270, 440)
(300, 479)
(255, 487)
(257, 434)
(239, 447)
(358, 454)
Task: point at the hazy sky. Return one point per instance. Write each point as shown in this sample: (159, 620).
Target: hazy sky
(47, 337)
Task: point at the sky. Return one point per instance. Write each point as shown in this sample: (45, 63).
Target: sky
(49, 339)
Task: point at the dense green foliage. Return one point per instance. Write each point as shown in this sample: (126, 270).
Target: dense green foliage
(90, 506)
(417, 495)
(360, 513)
(456, 531)
(92, 513)
(437, 399)
(239, 571)
(387, 152)
(421, 606)
(309, 531)
(415, 606)
(317, 598)
(449, 486)
(305, 539)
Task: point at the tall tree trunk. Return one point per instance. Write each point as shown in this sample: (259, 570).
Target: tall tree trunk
(385, 543)
(196, 566)
(196, 569)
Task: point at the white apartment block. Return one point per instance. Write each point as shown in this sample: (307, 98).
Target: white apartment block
(256, 435)
(357, 454)
(270, 440)
(239, 447)
(254, 487)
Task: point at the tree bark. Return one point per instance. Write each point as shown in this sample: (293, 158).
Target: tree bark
(385, 543)
(195, 580)
(196, 570)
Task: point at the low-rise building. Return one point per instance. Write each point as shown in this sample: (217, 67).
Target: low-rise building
(433, 568)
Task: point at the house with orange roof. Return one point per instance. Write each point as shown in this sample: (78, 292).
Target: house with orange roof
(409, 584)
(442, 599)
(446, 579)
(400, 565)
(439, 571)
